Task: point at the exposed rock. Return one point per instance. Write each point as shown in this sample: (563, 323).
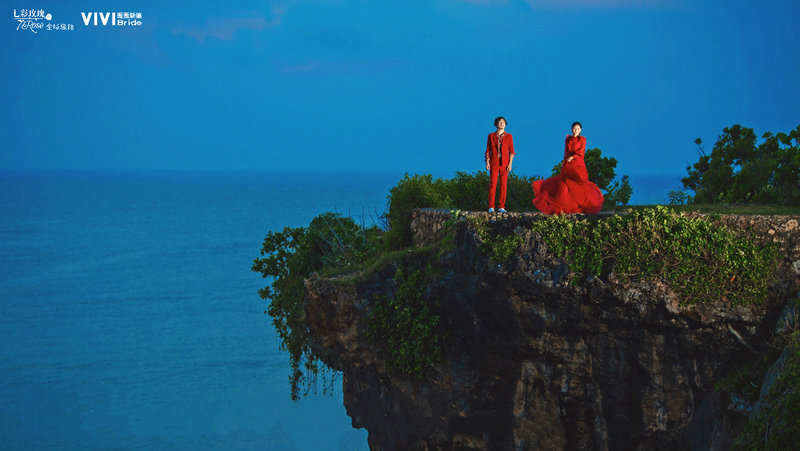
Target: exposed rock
(533, 362)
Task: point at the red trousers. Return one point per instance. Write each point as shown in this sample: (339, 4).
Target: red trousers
(494, 172)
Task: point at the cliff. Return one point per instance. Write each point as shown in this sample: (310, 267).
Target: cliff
(532, 361)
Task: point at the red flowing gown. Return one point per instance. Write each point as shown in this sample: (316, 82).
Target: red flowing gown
(570, 191)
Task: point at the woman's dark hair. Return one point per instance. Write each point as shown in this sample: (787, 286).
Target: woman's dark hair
(577, 123)
(497, 119)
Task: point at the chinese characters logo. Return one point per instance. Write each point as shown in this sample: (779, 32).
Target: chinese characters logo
(113, 18)
(36, 20)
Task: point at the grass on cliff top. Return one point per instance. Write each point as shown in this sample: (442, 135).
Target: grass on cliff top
(765, 210)
(701, 261)
(358, 272)
(762, 210)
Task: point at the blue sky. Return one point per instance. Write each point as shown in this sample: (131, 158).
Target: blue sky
(391, 86)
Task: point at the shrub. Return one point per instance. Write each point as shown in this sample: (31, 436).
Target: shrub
(469, 191)
(776, 425)
(405, 326)
(464, 191)
(499, 247)
(330, 241)
(700, 260)
(417, 191)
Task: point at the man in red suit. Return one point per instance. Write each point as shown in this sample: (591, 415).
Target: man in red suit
(499, 155)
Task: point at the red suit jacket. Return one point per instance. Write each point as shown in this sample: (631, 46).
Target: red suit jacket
(492, 154)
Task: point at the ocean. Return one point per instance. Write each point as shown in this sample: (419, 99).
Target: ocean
(130, 318)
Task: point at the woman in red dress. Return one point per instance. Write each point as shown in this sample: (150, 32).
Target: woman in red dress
(570, 191)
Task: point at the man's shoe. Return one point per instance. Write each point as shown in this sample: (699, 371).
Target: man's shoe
(491, 210)
(502, 210)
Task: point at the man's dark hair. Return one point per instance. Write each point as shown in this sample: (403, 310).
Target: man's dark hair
(497, 119)
(577, 123)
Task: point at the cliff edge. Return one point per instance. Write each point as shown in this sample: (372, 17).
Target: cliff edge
(532, 358)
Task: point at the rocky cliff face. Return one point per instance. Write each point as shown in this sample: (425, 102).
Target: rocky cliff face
(532, 362)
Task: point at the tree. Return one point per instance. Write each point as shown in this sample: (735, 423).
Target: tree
(330, 241)
(740, 170)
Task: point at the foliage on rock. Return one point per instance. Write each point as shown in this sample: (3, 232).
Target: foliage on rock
(464, 191)
(777, 424)
(499, 247)
(700, 260)
(405, 326)
(330, 241)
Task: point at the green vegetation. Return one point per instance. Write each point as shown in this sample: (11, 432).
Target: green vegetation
(721, 209)
(745, 379)
(330, 241)
(467, 191)
(740, 170)
(679, 197)
(334, 245)
(701, 261)
(777, 424)
(405, 326)
(464, 191)
(500, 248)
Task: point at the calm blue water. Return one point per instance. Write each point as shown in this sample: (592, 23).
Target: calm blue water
(129, 317)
